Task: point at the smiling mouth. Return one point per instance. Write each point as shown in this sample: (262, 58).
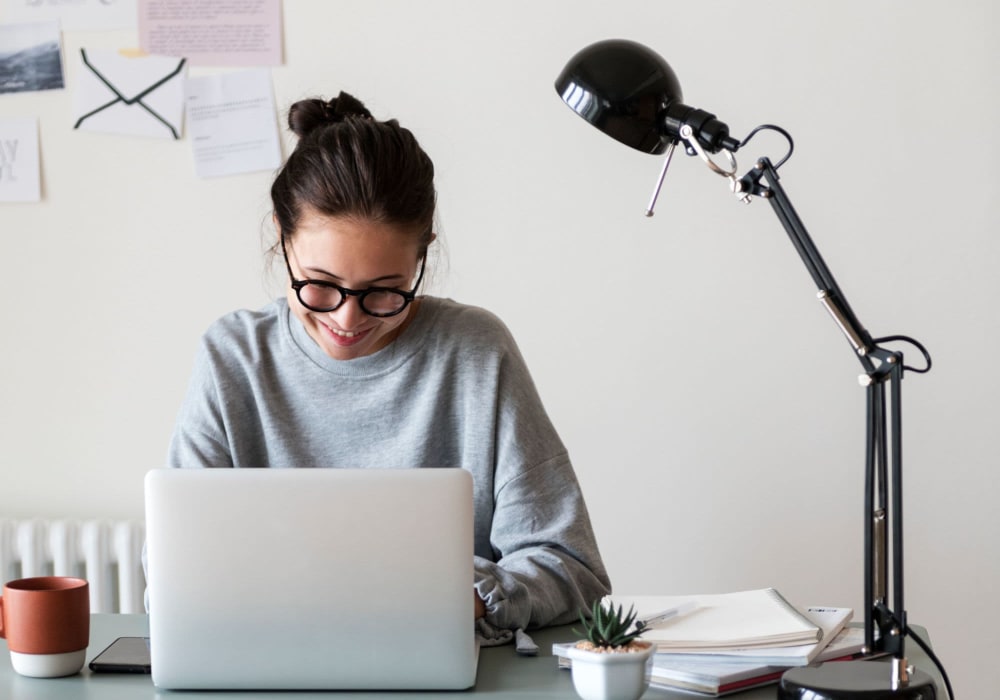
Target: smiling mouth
(345, 338)
(344, 334)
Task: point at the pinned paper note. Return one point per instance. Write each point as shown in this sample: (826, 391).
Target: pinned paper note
(232, 121)
(20, 174)
(135, 96)
(30, 57)
(75, 14)
(213, 32)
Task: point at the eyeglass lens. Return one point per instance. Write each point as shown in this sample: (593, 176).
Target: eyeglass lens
(323, 297)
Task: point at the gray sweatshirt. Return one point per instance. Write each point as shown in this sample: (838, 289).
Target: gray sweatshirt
(452, 391)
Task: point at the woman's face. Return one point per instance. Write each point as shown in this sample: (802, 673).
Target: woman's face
(356, 254)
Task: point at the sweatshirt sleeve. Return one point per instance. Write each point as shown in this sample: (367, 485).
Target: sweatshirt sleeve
(549, 565)
(199, 437)
(546, 565)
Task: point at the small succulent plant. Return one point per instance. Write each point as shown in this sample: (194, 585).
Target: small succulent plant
(610, 627)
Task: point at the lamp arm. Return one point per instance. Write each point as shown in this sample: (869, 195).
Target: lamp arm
(884, 628)
(763, 181)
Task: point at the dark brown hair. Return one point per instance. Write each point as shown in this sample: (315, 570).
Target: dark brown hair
(348, 164)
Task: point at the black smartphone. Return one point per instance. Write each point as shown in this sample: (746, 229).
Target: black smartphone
(124, 655)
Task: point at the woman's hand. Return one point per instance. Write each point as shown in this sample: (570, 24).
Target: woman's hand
(480, 605)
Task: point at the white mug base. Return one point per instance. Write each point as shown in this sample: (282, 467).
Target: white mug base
(48, 665)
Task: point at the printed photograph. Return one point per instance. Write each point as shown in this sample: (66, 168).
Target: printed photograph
(30, 57)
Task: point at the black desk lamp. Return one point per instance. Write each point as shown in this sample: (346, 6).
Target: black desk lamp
(630, 93)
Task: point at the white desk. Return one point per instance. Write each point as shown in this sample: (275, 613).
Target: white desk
(502, 674)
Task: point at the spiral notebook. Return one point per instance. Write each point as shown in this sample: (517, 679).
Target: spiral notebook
(721, 621)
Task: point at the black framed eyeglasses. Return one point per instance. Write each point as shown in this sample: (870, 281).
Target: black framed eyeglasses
(323, 296)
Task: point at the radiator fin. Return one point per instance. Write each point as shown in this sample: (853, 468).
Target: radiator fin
(106, 553)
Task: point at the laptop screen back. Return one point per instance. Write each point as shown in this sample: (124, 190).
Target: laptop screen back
(310, 578)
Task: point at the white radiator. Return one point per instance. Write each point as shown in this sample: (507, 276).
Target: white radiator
(107, 554)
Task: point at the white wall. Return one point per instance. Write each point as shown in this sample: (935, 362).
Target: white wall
(715, 421)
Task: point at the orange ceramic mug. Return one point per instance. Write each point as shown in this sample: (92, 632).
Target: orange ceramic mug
(46, 622)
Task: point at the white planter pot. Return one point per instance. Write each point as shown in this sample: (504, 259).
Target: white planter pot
(612, 676)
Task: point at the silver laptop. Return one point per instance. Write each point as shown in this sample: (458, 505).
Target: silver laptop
(310, 578)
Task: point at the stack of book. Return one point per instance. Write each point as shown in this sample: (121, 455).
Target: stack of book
(724, 643)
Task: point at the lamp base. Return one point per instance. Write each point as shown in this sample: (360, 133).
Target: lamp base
(840, 680)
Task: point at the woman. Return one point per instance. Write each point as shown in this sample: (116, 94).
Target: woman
(354, 369)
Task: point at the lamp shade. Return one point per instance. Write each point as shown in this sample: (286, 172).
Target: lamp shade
(623, 88)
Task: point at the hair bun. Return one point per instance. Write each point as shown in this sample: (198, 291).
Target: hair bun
(306, 115)
(343, 106)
